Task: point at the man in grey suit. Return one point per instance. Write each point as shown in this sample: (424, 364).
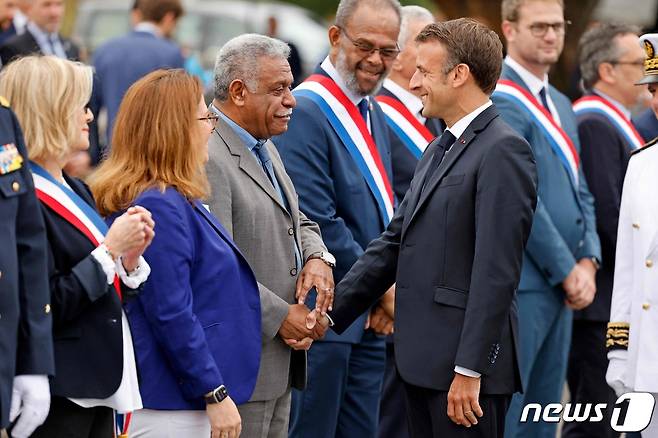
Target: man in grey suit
(255, 200)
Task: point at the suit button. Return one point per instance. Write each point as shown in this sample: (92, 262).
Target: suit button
(581, 243)
(649, 263)
(646, 306)
(291, 231)
(15, 186)
(293, 271)
(46, 308)
(0, 274)
(636, 226)
(579, 221)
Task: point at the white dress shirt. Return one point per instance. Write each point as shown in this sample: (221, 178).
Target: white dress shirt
(535, 85)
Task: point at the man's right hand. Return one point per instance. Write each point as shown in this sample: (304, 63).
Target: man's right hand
(296, 324)
(225, 421)
(580, 287)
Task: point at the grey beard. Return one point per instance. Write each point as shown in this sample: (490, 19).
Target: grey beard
(349, 76)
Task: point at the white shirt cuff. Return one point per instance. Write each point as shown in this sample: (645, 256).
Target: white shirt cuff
(466, 372)
(137, 277)
(108, 265)
(618, 354)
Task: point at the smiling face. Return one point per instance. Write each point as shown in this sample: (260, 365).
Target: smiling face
(431, 81)
(364, 70)
(267, 109)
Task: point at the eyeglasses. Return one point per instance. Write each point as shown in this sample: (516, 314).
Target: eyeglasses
(635, 63)
(367, 49)
(540, 29)
(210, 118)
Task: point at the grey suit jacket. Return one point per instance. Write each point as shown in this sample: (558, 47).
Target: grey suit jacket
(248, 206)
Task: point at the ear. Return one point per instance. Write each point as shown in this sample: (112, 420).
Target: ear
(334, 36)
(460, 75)
(509, 30)
(607, 73)
(237, 91)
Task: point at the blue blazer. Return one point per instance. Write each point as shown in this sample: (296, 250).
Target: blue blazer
(647, 125)
(120, 62)
(332, 191)
(564, 226)
(196, 324)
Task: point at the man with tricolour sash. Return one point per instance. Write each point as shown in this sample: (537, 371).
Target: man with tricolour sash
(611, 61)
(563, 250)
(337, 153)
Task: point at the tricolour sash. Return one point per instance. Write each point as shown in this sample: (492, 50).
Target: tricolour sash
(346, 120)
(558, 139)
(71, 207)
(599, 105)
(413, 134)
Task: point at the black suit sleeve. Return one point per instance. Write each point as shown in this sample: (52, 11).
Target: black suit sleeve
(7, 54)
(35, 345)
(505, 200)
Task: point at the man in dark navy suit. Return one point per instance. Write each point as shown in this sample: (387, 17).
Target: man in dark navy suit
(122, 61)
(347, 190)
(455, 245)
(647, 123)
(26, 345)
(611, 61)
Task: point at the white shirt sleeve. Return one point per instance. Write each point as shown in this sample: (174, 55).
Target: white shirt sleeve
(108, 265)
(137, 277)
(466, 372)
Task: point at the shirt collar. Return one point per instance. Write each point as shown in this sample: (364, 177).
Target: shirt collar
(534, 83)
(249, 140)
(329, 68)
(614, 103)
(148, 27)
(39, 34)
(460, 126)
(408, 99)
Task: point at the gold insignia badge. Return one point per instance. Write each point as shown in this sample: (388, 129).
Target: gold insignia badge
(648, 49)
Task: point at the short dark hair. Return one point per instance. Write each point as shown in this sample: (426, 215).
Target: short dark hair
(469, 42)
(155, 10)
(598, 45)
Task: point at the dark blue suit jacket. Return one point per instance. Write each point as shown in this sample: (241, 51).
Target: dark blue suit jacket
(122, 61)
(564, 226)
(403, 161)
(196, 324)
(26, 345)
(332, 191)
(647, 125)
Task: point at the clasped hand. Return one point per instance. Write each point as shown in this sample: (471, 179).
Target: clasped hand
(580, 285)
(302, 326)
(130, 235)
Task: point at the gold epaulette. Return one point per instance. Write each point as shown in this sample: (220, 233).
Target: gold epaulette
(4, 102)
(645, 146)
(616, 337)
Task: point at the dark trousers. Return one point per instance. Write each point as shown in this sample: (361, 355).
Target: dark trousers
(427, 413)
(588, 363)
(68, 420)
(392, 407)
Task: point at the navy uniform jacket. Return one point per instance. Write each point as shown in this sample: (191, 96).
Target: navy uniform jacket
(332, 191)
(647, 125)
(564, 226)
(26, 345)
(403, 161)
(454, 249)
(604, 153)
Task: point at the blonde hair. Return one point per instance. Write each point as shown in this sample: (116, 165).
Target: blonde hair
(509, 9)
(47, 93)
(152, 143)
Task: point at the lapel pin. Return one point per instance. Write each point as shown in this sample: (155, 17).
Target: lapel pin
(462, 141)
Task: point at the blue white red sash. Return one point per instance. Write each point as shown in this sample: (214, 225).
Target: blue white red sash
(599, 105)
(353, 132)
(413, 134)
(558, 139)
(71, 207)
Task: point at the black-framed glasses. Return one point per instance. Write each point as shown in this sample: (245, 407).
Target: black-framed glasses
(366, 48)
(635, 63)
(540, 29)
(210, 118)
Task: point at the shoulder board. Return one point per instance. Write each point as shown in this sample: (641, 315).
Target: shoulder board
(646, 146)
(4, 102)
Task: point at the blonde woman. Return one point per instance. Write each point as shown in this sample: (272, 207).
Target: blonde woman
(91, 268)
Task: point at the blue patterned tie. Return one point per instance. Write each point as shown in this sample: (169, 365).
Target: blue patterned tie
(363, 109)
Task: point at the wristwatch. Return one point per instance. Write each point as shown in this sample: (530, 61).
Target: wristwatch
(325, 256)
(595, 262)
(217, 395)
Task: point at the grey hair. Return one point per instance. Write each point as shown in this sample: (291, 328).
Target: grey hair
(411, 14)
(347, 8)
(598, 45)
(240, 59)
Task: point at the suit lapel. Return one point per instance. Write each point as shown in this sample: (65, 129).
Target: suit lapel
(246, 160)
(460, 145)
(215, 224)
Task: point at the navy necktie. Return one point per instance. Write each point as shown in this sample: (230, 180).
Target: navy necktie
(544, 100)
(363, 109)
(446, 140)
